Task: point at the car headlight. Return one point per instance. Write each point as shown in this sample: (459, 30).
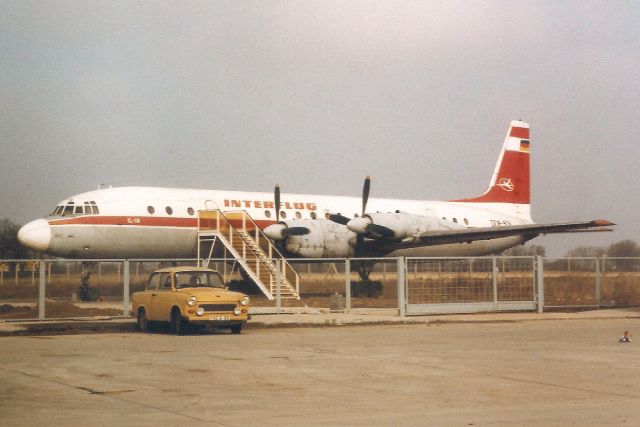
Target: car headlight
(191, 300)
(244, 300)
(237, 311)
(200, 311)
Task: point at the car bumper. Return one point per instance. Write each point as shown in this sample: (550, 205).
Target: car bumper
(221, 319)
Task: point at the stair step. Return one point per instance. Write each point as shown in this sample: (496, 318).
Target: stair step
(255, 260)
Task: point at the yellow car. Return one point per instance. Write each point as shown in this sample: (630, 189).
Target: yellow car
(186, 296)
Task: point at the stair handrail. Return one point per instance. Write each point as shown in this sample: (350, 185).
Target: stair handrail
(287, 270)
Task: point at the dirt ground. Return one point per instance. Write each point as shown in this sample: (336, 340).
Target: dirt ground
(54, 309)
(525, 373)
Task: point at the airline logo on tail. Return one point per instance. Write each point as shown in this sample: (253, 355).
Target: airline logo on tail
(506, 184)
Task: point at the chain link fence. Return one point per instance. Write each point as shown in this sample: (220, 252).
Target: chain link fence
(470, 284)
(57, 288)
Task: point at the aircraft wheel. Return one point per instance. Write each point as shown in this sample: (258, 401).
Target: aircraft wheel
(375, 289)
(236, 329)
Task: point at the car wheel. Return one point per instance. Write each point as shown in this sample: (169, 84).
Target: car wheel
(178, 324)
(236, 329)
(142, 322)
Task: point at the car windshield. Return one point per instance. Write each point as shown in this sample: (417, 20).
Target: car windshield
(198, 279)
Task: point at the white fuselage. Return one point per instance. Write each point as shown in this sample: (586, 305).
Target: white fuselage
(144, 222)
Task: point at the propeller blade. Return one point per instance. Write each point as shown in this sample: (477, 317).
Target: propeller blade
(357, 250)
(380, 230)
(340, 219)
(296, 231)
(365, 194)
(276, 197)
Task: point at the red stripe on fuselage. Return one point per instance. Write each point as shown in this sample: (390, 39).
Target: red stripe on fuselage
(141, 221)
(519, 133)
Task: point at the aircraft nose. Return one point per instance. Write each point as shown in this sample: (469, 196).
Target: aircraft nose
(35, 235)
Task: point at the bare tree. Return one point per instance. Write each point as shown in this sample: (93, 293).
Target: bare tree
(9, 245)
(525, 250)
(626, 254)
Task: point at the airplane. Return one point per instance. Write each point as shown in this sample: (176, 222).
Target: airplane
(147, 222)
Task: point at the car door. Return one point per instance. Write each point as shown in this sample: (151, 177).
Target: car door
(143, 299)
(164, 299)
(158, 298)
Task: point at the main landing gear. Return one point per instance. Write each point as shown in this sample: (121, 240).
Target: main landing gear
(365, 287)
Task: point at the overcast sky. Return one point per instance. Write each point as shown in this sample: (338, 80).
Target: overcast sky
(240, 95)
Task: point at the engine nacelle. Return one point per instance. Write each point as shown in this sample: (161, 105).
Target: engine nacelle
(402, 225)
(325, 239)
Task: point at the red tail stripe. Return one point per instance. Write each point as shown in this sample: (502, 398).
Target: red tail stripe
(519, 133)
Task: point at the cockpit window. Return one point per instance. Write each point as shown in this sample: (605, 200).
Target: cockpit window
(56, 211)
(71, 209)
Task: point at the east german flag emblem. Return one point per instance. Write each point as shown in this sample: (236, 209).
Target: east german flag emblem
(524, 146)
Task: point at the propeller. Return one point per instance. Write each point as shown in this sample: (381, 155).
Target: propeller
(276, 197)
(280, 230)
(365, 194)
(365, 198)
(343, 220)
(364, 223)
(339, 218)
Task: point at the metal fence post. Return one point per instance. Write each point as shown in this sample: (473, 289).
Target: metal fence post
(401, 287)
(539, 282)
(125, 291)
(494, 280)
(597, 290)
(278, 282)
(41, 290)
(347, 284)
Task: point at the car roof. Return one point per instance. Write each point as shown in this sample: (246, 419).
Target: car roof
(183, 268)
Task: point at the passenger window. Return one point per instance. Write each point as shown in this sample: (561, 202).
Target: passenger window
(267, 214)
(298, 215)
(169, 210)
(313, 215)
(466, 221)
(190, 211)
(283, 214)
(455, 220)
(151, 210)
(154, 280)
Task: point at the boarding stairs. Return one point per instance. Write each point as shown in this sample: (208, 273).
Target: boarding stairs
(250, 247)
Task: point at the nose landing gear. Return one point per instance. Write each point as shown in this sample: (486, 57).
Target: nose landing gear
(86, 293)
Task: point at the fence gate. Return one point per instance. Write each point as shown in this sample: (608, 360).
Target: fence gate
(467, 285)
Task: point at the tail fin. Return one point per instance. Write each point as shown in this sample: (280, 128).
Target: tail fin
(510, 180)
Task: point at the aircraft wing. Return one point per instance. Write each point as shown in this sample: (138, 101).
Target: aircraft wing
(441, 237)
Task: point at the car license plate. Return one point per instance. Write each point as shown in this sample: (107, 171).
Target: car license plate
(218, 317)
